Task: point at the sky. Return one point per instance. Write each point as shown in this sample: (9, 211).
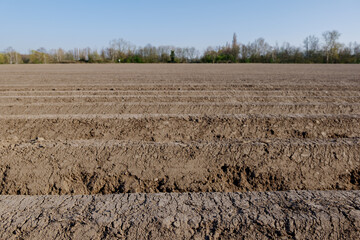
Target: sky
(27, 25)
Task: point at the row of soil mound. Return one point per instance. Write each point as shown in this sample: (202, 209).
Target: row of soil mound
(271, 215)
(180, 108)
(178, 128)
(93, 167)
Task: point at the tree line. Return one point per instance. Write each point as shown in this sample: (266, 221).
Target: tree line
(326, 49)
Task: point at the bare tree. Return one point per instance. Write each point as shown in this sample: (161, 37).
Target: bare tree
(11, 54)
(164, 52)
(60, 55)
(120, 48)
(258, 49)
(311, 45)
(235, 48)
(192, 54)
(332, 45)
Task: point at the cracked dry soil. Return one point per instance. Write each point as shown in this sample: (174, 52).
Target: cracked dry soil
(252, 215)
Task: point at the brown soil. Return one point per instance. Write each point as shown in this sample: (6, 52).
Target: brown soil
(178, 128)
(270, 215)
(98, 167)
(143, 129)
(180, 108)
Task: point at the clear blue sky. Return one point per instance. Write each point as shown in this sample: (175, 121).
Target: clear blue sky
(33, 24)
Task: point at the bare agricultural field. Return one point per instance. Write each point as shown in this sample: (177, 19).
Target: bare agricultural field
(180, 151)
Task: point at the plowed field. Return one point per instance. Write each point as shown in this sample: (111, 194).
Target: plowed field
(151, 141)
